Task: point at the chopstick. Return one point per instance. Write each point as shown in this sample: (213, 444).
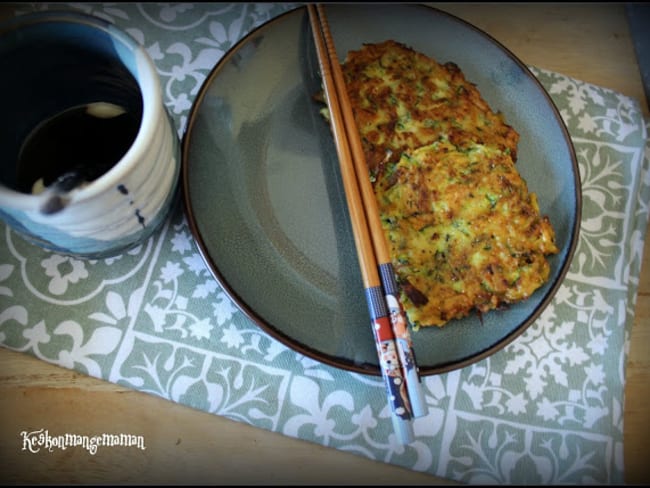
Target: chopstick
(388, 319)
(394, 380)
(387, 273)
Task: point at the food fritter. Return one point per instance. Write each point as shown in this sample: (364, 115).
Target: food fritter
(465, 234)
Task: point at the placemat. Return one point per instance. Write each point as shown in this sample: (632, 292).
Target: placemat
(546, 409)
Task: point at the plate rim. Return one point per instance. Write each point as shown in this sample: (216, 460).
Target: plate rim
(285, 339)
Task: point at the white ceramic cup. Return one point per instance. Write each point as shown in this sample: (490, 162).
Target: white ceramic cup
(52, 61)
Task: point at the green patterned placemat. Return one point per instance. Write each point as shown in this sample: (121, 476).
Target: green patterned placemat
(546, 409)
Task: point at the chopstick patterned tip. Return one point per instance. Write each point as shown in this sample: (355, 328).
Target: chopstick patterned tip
(387, 352)
(390, 365)
(403, 341)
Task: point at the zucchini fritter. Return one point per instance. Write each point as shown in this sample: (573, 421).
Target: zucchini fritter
(465, 233)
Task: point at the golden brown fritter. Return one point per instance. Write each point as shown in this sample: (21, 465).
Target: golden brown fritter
(464, 232)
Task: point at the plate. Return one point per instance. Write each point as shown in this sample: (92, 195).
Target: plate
(265, 203)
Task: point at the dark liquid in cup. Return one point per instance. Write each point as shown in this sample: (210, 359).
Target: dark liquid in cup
(85, 141)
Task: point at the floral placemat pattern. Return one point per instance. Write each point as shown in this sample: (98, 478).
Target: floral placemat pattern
(546, 409)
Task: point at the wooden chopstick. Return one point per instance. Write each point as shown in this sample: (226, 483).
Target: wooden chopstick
(383, 334)
(399, 322)
(391, 365)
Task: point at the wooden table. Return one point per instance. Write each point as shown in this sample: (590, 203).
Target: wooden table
(590, 42)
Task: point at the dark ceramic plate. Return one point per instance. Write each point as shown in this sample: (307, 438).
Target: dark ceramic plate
(266, 206)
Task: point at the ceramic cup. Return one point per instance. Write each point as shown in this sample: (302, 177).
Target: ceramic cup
(57, 63)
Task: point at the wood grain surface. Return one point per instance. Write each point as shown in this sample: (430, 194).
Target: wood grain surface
(590, 42)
